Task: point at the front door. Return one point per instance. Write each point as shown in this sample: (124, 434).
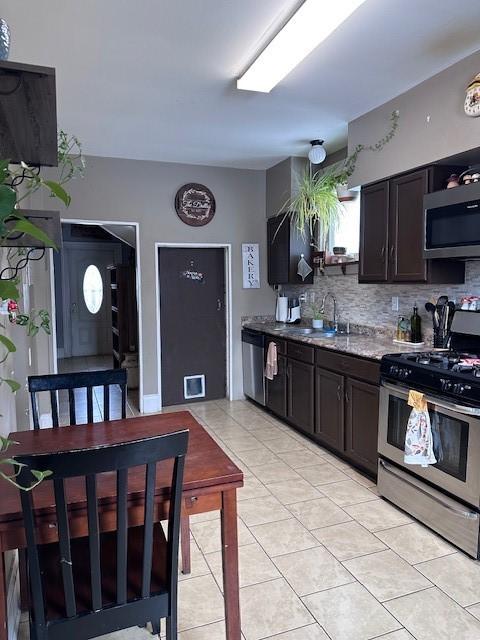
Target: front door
(90, 300)
(192, 324)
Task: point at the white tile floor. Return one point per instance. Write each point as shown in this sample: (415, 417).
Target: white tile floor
(92, 363)
(321, 555)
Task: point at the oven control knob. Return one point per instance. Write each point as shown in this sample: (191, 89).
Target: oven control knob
(393, 370)
(404, 373)
(446, 385)
(460, 388)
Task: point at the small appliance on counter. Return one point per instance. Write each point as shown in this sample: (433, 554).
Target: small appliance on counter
(288, 310)
(445, 495)
(294, 314)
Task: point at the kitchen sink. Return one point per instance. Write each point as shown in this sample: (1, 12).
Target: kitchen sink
(314, 333)
(304, 331)
(309, 331)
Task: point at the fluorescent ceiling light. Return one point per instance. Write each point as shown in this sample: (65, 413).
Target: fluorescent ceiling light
(307, 28)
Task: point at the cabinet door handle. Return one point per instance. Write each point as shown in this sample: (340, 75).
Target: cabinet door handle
(382, 251)
(347, 398)
(339, 388)
(392, 251)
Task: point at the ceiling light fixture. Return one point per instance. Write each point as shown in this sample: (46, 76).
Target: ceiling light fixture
(317, 153)
(307, 28)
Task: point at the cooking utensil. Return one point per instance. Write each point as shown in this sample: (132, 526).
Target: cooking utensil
(451, 308)
(440, 308)
(430, 308)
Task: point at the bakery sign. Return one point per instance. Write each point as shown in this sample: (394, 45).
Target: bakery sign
(251, 266)
(195, 204)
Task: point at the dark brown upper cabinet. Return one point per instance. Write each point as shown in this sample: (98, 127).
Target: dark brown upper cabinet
(285, 246)
(392, 231)
(405, 225)
(28, 114)
(373, 265)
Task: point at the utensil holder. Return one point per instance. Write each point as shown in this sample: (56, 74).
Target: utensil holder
(440, 339)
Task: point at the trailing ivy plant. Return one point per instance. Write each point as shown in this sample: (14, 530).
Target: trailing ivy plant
(315, 203)
(16, 467)
(71, 164)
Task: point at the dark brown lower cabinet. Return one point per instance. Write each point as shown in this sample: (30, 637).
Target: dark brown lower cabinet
(335, 400)
(329, 407)
(301, 395)
(361, 423)
(276, 389)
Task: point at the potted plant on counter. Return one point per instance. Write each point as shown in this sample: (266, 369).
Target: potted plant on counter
(317, 316)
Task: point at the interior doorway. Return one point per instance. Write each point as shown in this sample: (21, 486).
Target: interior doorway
(96, 318)
(88, 298)
(193, 323)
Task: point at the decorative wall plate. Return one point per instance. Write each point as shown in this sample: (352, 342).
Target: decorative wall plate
(195, 204)
(472, 99)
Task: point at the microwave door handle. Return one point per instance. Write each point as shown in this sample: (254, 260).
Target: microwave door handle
(469, 515)
(443, 404)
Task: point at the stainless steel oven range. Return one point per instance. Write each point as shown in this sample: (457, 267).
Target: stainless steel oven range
(444, 496)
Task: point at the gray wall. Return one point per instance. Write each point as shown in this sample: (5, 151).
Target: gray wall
(418, 140)
(137, 191)
(282, 180)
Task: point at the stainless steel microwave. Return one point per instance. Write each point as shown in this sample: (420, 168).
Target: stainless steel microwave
(452, 222)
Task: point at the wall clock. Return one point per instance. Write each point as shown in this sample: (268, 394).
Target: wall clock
(472, 99)
(195, 204)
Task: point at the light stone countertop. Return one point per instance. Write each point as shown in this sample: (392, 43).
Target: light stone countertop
(366, 346)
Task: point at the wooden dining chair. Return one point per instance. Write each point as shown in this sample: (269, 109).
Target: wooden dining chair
(106, 581)
(88, 380)
(73, 382)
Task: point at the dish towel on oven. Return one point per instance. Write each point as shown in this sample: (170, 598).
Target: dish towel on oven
(271, 366)
(418, 438)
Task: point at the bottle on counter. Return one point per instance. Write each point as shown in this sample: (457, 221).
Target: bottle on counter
(416, 326)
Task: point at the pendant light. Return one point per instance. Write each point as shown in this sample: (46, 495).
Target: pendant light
(317, 153)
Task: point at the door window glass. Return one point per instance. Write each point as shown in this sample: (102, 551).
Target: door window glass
(93, 289)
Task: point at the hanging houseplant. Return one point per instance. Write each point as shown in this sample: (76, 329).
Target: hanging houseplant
(12, 223)
(315, 205)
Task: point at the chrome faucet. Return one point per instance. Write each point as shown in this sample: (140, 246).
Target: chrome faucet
(329, 294)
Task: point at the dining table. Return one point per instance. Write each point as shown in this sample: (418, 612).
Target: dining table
(210, 483)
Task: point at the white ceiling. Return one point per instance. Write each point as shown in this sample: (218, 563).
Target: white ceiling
(155, 79)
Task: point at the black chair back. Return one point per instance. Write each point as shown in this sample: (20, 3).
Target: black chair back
(73, 381)
(125, 611)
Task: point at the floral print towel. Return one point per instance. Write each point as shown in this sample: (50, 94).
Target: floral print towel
(418, 438)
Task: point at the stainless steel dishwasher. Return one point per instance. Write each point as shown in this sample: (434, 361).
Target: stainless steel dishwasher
(253, 344)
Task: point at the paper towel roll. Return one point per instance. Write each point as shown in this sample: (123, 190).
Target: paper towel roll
(282, 309)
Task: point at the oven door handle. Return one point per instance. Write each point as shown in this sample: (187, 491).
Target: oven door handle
(450, 406)
(469, 515)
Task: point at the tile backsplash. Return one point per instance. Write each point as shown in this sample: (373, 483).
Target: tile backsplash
(371, 304)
